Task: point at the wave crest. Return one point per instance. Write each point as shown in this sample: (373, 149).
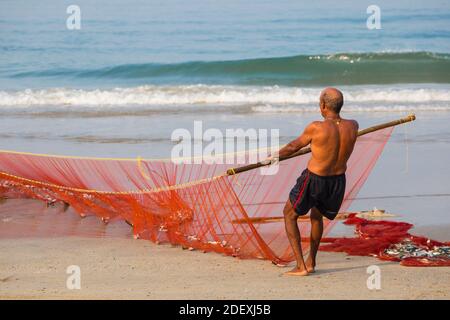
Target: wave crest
(340, 68)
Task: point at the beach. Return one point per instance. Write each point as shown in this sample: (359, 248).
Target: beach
(134, 269)
(36, 252)
(136, 73)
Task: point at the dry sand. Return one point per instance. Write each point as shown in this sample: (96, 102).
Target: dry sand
(115, 268)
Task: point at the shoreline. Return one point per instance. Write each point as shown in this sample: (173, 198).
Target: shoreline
(34, 220)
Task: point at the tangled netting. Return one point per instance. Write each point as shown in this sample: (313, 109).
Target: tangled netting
(192, 205)
(390, 240)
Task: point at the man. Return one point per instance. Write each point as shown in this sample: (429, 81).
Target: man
(321, 186)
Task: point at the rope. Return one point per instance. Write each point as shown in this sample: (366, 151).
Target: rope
(406, 149)
(138, 158)
(140, 191)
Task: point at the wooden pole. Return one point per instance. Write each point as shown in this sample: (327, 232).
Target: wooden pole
(340, 216)
(302, 151)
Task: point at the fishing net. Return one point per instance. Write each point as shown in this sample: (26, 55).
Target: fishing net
(391, 240)
(192, 205)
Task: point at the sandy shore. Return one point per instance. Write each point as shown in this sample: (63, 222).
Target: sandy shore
(114, 268)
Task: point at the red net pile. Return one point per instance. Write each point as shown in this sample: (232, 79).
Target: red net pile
(391, 240)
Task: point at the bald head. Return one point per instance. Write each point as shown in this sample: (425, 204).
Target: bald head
(332, 99)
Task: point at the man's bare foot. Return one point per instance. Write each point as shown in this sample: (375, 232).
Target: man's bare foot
(310, 265)
(297, 272)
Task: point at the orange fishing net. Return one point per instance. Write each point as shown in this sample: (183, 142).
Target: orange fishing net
(192, 205)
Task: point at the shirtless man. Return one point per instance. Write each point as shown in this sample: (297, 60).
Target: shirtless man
(321, 186)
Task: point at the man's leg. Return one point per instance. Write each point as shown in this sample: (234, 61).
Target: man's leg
(316, 236)
(293, 234)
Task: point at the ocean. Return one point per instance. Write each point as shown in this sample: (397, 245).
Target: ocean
(137, 70)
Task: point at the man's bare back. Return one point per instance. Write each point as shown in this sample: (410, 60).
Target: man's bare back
(332, 143)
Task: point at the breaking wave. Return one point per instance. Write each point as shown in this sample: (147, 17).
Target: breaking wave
(194, 97)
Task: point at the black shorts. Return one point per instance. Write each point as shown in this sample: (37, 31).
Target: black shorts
(326, 193)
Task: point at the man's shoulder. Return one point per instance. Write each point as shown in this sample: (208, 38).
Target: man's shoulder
(315, 124)
(355, 123)
(313, 127)
(352, 122)
(318, 125)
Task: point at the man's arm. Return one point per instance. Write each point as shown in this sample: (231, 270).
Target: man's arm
(302, 141)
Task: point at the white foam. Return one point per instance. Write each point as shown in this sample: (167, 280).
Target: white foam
(264, 98)
(353, 108)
